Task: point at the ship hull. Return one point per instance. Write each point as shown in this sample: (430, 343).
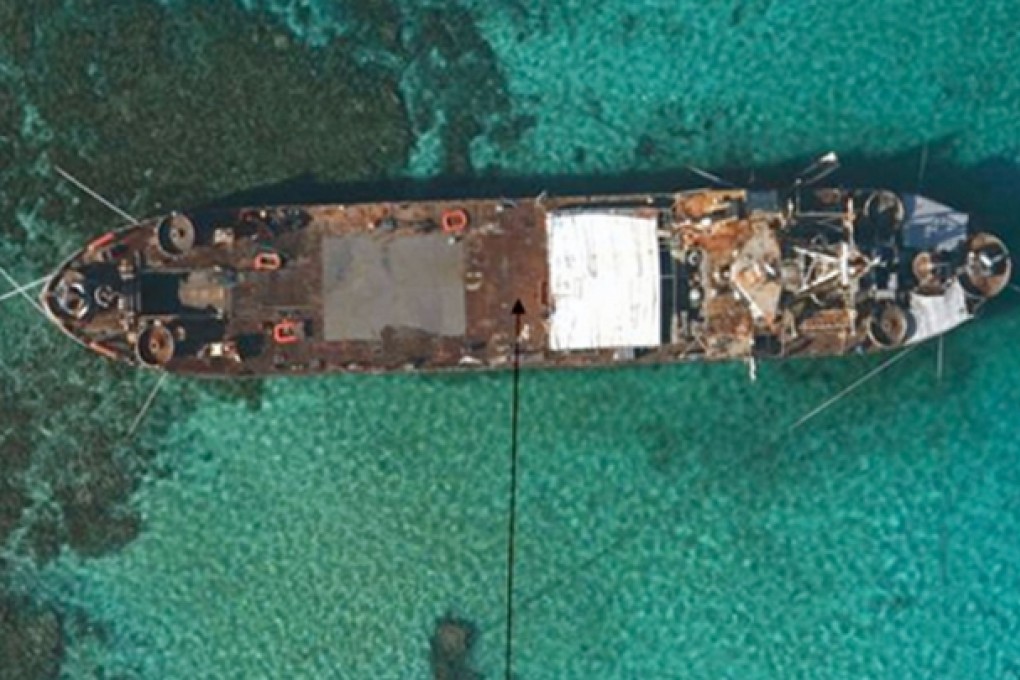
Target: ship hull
(604, 280)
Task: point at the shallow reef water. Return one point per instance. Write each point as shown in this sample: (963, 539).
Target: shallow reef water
(671, 525)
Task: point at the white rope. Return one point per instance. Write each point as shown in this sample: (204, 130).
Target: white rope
(939, 359)
(18, 288)
(860, 381)
(25, 287)
(94, 194)
(715, 179)
(922, 167)
(146, 405)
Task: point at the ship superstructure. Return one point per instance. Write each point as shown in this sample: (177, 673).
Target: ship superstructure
(712, 274)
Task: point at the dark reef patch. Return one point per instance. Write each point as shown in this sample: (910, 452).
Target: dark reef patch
(96, 514)
(376, 22)
(461, 78)
(31, 642)
(247, 391)
(202, 99)
(157, 107)
(450, 647)
(13, 500)
(749, 11)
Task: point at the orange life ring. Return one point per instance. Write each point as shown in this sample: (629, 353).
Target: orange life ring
(454, 221)
(268, 262)
(286, 332)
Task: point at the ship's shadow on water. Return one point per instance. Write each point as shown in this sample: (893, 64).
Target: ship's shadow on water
(990, 189)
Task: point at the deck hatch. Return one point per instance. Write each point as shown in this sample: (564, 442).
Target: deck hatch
(371, 283)
(604, 280)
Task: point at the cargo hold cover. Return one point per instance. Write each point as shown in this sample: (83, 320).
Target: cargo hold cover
(373, 284)
(604, 281)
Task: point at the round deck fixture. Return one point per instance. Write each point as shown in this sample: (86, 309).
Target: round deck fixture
(695, 297)
(175, 235)
(890, 325)
(105, 296)
(932, 275)
(883, 212)
(73, 297)
(988, 267)
(923, 267)
(155, 346)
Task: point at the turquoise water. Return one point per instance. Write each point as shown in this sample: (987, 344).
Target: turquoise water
(670, 526)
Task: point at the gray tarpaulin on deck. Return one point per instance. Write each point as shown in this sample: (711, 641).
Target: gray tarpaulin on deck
(373, 282)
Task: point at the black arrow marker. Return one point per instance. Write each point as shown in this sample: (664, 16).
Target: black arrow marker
(518, 312)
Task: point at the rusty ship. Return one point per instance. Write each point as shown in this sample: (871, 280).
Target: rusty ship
(708, 274)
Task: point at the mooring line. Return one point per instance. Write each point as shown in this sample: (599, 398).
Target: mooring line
(146, 405)
(623, 538)
(23, 288)
(94, 194)
(922, 167)
(940, 358)
(20, 290)
(850, 388)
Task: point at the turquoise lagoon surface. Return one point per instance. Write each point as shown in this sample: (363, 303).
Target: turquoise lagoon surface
(670, 523)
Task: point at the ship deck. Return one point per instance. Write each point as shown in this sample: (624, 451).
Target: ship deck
(386, 287)
(401, 295)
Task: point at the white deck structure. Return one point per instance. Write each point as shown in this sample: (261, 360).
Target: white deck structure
(604, 281)
(937, 314)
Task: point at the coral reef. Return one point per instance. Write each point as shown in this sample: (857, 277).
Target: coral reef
(450, 649)
(157, 106)
(31, 643)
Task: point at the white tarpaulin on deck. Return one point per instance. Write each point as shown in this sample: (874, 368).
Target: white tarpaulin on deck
(604, 281)
(936, 314)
